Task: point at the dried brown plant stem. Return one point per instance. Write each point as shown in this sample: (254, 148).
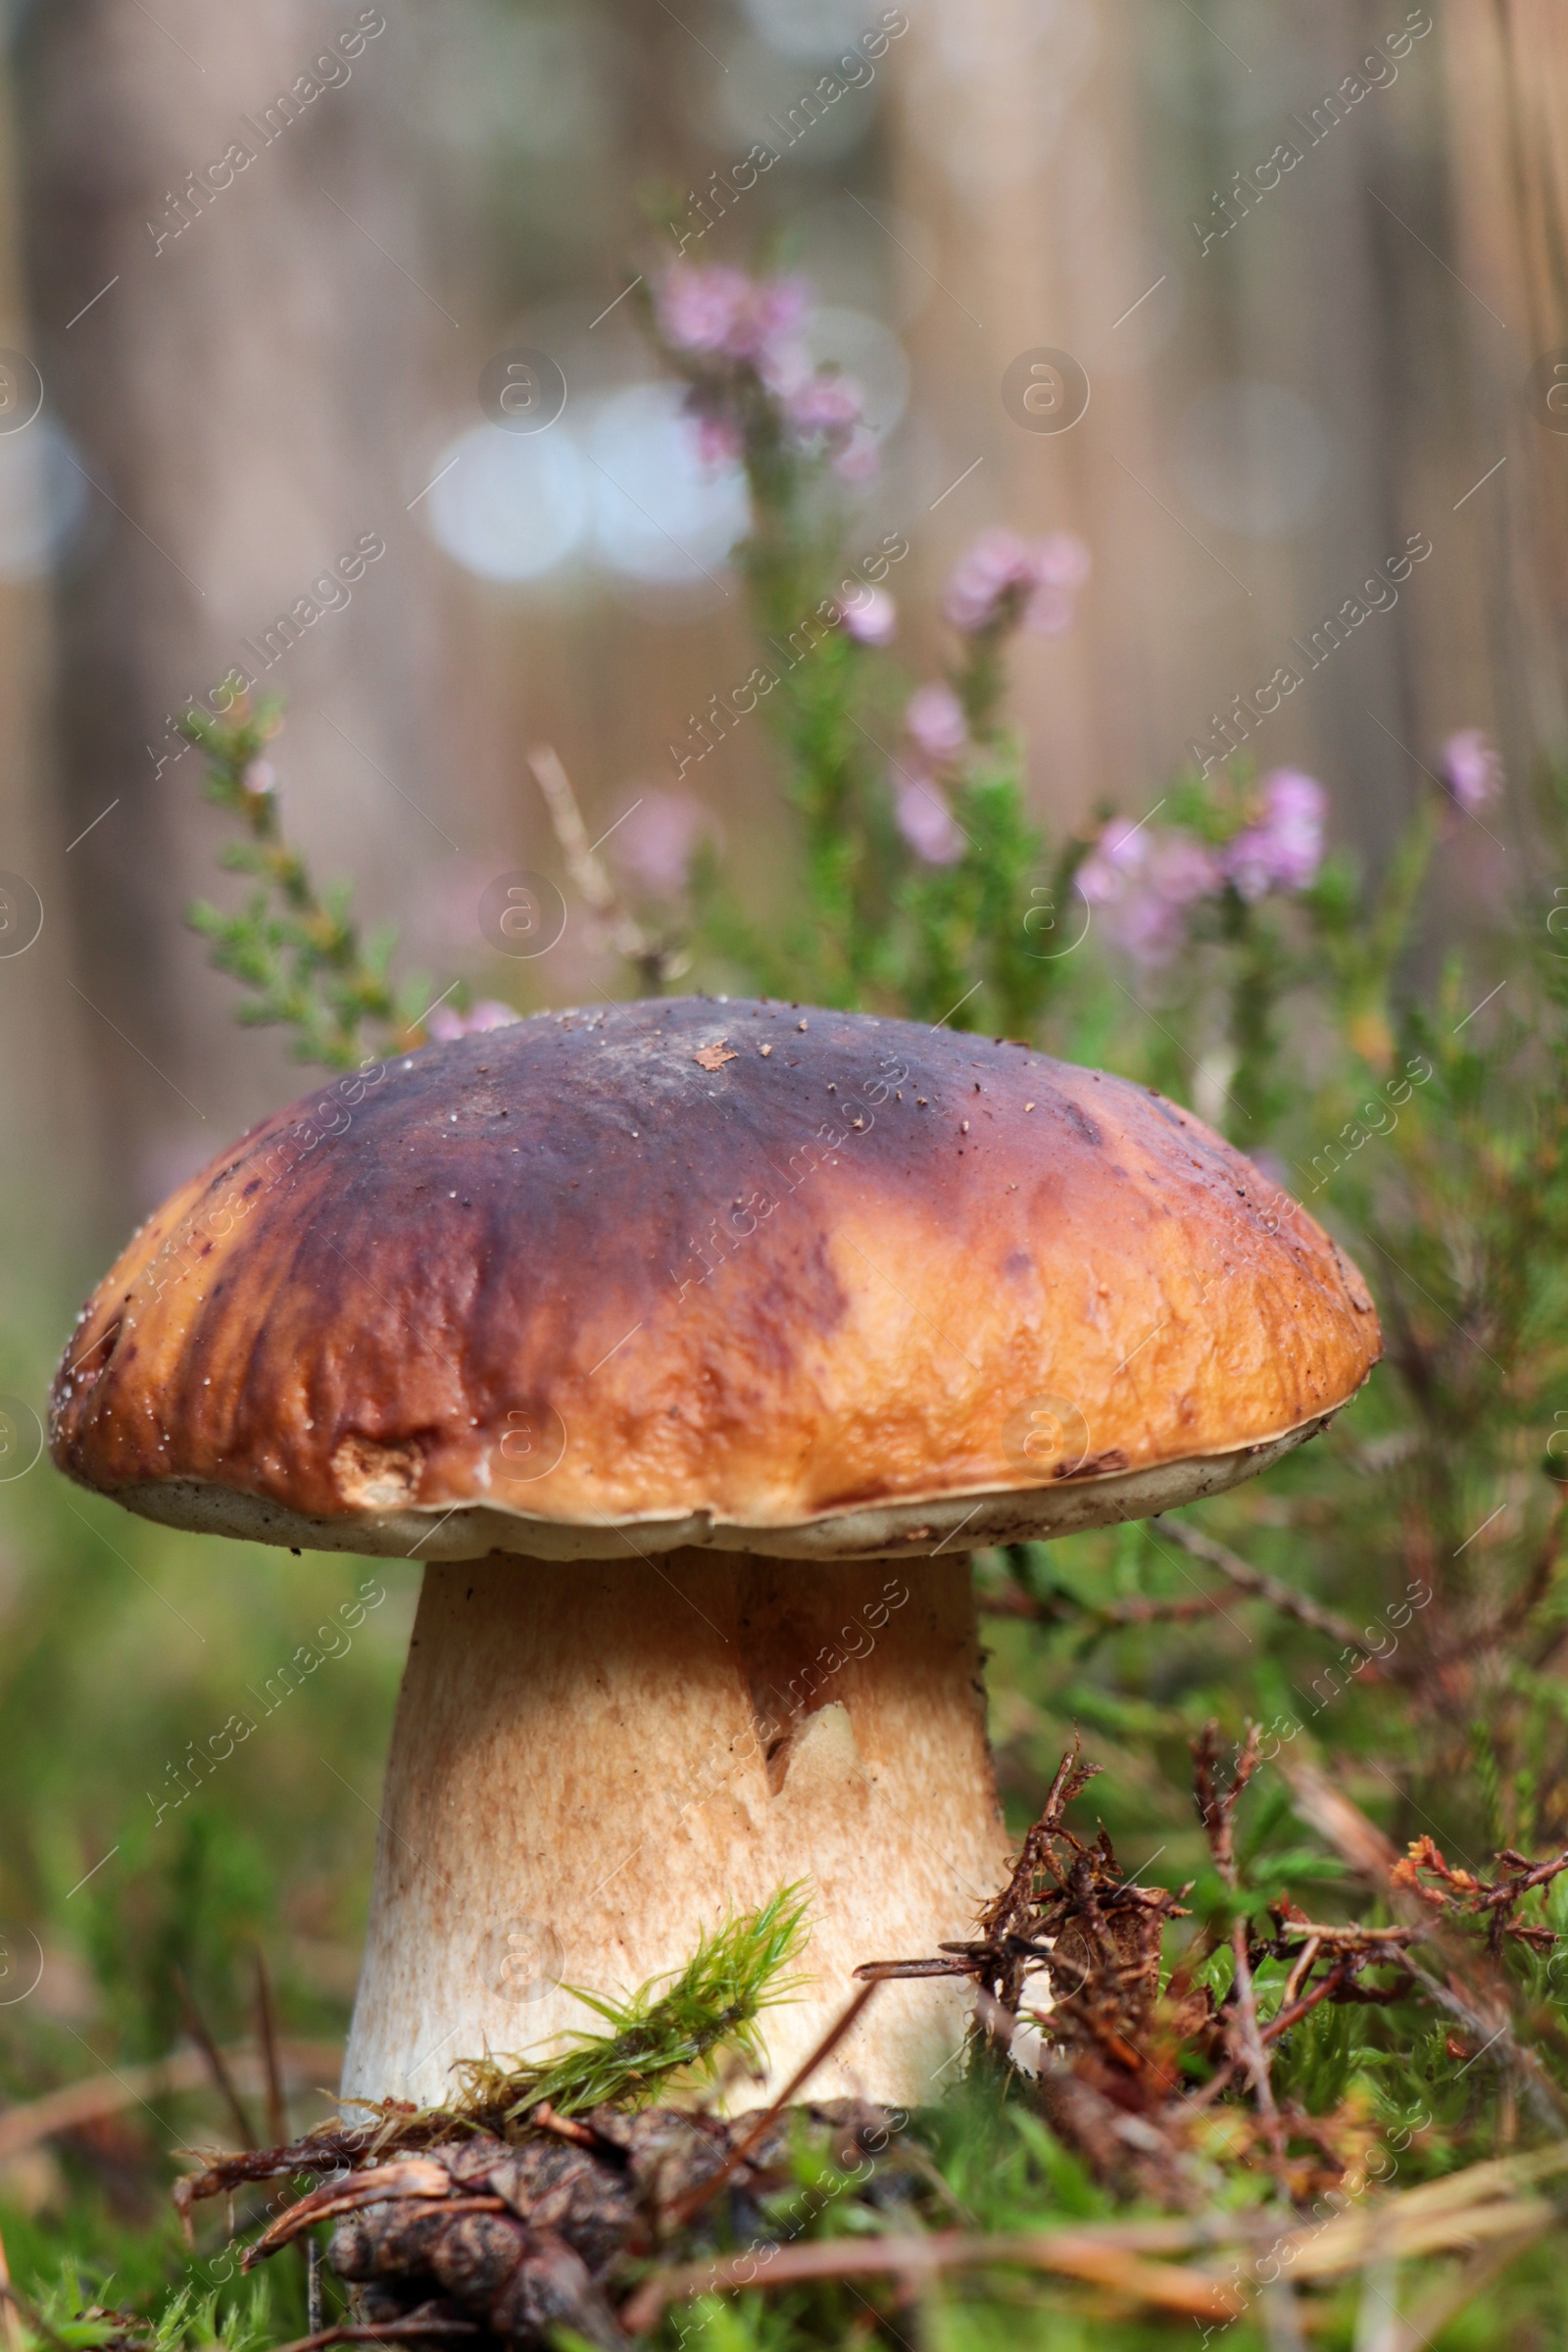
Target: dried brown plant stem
(1005, 1603)
(277, 2126)
(1477, 1997)
(562, 2126)
(1217, 1809)
(197, 2028)
(1261, 1586)
(385, 2331)
(656, 960)
(78, 2103)
(686, 2208)
(1108, 2258)
(1517, 1612)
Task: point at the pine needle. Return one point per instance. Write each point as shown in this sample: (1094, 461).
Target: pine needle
(672, 2031)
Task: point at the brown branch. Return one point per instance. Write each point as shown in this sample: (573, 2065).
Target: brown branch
(1292, 2012)
(563, 2127)
(656, 960)
(1352, 1934)
(388, 2331)
(411, 2176)
(78, 2103)
(1217, 1809)
(889, 1972)
(277, 2131)
(685, 2209)
(1109, 1616)
(1216, 1802)
(1538, 1583)
(1262, 1586)
(1104, 2259)
(1014, 1906)
(1475, 1994)
(197, 2028)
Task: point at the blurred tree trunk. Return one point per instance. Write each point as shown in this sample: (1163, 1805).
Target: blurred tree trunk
(1508, 77)
(234, 348)
(39, 1036)
(1018, 159)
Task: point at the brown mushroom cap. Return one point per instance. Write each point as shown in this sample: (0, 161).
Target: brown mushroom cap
(738, 1274)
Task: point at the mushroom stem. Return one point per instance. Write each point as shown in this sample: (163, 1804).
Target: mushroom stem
(592, 1763)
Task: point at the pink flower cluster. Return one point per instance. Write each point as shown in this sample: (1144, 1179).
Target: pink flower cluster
(656, 840)
(446, 1023)
(939, 736)
(720, 321)
(1284, 849)
(870, 616)
(708, 310)
(927, 821)
(1145, 880)
(1004, 580)
(999, 582)
(1472, 769)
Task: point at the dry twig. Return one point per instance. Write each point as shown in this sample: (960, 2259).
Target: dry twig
(657, 961)
(266, 2031)
(687, 2208)
(77, 2103)
(1263, 1587)
(1472, 1988)
(197, 2028)
(1102, 2258)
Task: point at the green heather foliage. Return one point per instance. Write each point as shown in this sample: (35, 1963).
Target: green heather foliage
(1391, 1049)
(297, 951)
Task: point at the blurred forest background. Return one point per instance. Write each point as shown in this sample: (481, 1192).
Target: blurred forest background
(243, 384)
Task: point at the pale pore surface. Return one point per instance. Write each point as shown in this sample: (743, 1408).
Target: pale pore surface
(580, 1780)
(878, 1531)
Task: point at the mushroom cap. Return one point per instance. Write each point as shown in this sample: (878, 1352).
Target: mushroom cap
(706, 1271)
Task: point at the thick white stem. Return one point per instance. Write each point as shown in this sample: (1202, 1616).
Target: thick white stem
(593, 1762)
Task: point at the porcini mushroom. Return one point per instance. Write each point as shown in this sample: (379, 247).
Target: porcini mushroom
(694, 1346)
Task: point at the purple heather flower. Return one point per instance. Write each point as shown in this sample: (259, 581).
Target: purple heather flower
(1063, 562)
(1145, 881)
(825, 408)
(720, 438)
(708, 308)
(776, 307)
(825, 402)
(1148, 928)
(1001, 577)
(445, 1023)
(859, 459)
(935, 723)
(1472, 769)
(1284, 851)
(997, 565)
(1117, 859)
(1050, 612)
(1180, 870)
(700, 306)
(870, 616)
(926, 822)
(656, 842)
(260, 777)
